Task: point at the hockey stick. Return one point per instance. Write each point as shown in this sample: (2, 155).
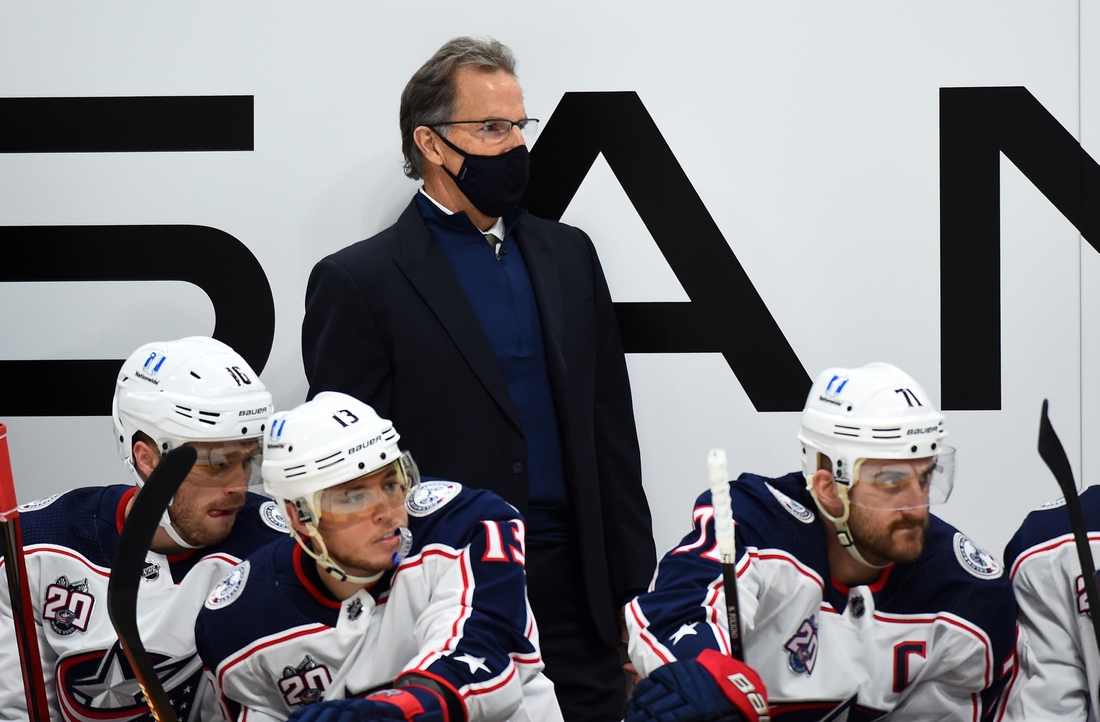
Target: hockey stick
(723, 532)
(122, 590)
(844, 708)
(19, 590)
(1050, 448)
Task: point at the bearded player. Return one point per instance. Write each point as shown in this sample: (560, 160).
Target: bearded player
(195, 391)
(847, 585)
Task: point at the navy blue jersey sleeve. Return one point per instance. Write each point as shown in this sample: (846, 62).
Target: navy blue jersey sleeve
(477, 634)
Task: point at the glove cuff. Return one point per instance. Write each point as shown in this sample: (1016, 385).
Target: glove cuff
(416, 703)
(739, 683)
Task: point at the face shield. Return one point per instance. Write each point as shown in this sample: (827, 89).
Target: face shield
(227, 464)
(361, 499)
(899, 484)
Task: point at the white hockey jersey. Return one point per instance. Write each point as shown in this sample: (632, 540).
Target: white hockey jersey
(932, 640)
(70, 542)
(455, 610)
(1050, 592)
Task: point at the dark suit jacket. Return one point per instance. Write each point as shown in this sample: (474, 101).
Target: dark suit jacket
(387, 321)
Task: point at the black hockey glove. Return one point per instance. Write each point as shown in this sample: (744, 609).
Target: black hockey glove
(710, 688)
(408, 704)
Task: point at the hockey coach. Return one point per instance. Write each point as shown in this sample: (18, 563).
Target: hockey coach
(489, 338)
(194, 391)
(847, 585)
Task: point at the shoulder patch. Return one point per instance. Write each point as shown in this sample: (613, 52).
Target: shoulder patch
(974, 559)
(227, 590)
(795, 509)
(431, 495)
(39, 504)
(1060, 501)
(271, 515)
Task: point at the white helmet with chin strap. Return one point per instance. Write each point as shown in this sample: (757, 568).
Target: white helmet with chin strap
(326, 442)
(876, 411)
(196, 389)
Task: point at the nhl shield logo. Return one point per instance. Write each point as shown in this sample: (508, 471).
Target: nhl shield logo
(431, 495)
(976, 560)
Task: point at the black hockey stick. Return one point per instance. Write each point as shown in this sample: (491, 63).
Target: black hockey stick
(122, 590)
(19, 591)
(844, 708)
(1050, 448)
(723, 532)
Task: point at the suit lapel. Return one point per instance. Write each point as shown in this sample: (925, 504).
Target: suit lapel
(538, 255)
(431, 274)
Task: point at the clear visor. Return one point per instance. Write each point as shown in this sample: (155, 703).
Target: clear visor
(361, 499)
(227, 464)
(897, 484)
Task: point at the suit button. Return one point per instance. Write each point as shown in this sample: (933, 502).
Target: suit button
(517, 467)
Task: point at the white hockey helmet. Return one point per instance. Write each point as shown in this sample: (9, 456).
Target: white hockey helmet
(875, 411)
(326, 442)
(195, 389)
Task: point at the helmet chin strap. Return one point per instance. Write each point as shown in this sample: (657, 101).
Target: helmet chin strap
(843, 531)
(326, 561)
(165, 522)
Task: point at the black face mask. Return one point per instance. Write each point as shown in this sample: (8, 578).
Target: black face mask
(493, 183)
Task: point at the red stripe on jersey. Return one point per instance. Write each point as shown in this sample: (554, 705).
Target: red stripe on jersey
(249, 651)
(316, 593)
(784, 557)
(120, 512)
(1049, 546)
(645, 634)
(498, 685)
(51, 549)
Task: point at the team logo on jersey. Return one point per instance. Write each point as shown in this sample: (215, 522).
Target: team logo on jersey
(431, 495)
(39, 504)
(976, 560)
(802, 648)
(68, 606)
(1060, 501)
(228, 588)
(271, 515)
(151, 572)
(304, 684)
(795, 509)
(100, 686)
(355, 609)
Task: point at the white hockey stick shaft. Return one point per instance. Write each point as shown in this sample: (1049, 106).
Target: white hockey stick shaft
(723, 531)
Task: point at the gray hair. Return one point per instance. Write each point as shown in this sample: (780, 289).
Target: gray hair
(429, 96)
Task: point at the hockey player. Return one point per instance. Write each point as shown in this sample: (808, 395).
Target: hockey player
(194, 391)
(410, 596)
(846, 583)
(1054, 611)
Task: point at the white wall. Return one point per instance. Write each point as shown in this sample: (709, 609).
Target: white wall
(810, 130)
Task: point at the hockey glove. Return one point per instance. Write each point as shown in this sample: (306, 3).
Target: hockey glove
(408, 704)
(710, 688)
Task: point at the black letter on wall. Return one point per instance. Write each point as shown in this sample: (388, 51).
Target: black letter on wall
(726, 314)
(211, 259)
(976, 125)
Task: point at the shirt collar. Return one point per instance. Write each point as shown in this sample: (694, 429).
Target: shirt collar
(497, 229)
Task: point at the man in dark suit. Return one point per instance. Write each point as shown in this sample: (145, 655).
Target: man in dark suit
(489, 338)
